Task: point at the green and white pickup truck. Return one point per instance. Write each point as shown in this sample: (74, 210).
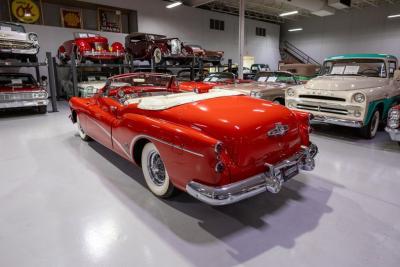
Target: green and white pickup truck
(354, 90)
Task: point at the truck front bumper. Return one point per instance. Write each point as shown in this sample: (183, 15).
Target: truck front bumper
(394, 133)
(271, 181)
(337, 121)
(24, 103)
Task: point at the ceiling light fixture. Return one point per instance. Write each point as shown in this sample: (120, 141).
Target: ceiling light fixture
(175, 4)
(295, 29)
(393, 16)
(289, 13)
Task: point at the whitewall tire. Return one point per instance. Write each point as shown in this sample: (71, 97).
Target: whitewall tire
(369, 131)
(157, 56)
(81, 132)
(155, 172)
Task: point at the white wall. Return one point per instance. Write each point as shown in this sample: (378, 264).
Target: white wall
(359, 31)
(189, 24)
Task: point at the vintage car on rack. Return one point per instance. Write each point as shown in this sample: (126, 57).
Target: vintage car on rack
(303, 72)
(147, 47)
(20, 90)
(91, 46)
(393, 123)
(219, 146)
(208, 56)
(355, 90)
(16, 43)
(212, 80)
(268, 85)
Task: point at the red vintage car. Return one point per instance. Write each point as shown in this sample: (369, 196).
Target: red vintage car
(212, 80)
(219, 146)
(393, 123)
(93, 47)
(147, 47)
(208, 56)
(20, 90)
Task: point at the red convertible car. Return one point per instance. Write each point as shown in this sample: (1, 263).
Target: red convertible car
(213, 79)
(219, 146)
(393, 123)
(91, 46)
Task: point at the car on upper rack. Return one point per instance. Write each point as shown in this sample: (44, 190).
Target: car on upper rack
(159, 48)
(208, 56)
(21, 90)
(212, 80)
(219, 146)
(267, 85)
(354, 90)
(393, 123)
(16, 43)
(93, 47)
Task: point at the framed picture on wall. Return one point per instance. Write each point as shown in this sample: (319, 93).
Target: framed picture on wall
(71, 18)
(109, 20)
(26, 11)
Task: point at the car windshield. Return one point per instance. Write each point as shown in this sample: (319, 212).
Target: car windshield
(85, 35)
(11, 27)
(275, 77)
(16, 80)
(355, 67)
(144, 79)
(219, 77)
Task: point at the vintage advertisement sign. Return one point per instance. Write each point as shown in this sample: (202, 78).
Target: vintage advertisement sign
(26, 11)
(109, 20)
(71, 18)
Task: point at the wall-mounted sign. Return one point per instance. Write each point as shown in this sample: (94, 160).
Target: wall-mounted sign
(71, 18)
(26, 11)
(109, 20)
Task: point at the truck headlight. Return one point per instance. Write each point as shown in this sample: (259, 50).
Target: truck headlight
(359, 97)
(255, 94)
(394, 119)
(290, 92)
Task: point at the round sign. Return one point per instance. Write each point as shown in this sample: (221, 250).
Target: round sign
(25, 11)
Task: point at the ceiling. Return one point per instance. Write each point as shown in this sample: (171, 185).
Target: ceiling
(269, 10)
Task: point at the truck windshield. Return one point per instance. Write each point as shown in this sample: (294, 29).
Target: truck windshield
(355, 67)
(11, 27)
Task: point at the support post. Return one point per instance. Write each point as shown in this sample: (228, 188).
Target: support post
(52, 81)
(74, 75)
(241, 37)
(38, 78)
(192, 68)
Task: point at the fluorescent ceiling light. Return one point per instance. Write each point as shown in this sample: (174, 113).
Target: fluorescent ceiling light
(289, 13)
(393, 16)
(295, 29)
(174, 4)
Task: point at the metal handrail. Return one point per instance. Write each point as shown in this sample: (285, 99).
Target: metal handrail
(294, 51)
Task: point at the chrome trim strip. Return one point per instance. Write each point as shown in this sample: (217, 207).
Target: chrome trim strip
(163, 142)
(24, 103)
(394, 133)
(336, 121)
(272, 181)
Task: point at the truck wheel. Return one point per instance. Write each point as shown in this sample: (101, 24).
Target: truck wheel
(81, 132)
(155, 173)
(157, 56)
(42, 109)
(369, 130)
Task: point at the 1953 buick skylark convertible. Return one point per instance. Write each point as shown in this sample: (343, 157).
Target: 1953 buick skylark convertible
(219, 146)
(354, 90)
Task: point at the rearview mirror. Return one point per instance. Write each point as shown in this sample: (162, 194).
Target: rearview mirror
(396, 75)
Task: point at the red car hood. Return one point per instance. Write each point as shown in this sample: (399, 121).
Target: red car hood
(15, 89)
(242, 124)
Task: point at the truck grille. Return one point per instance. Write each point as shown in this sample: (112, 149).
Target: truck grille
(15, 97)
(98, 46)
(322, 97)
(7, 44)
(323, 109)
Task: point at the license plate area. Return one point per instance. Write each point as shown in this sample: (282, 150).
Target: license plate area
(290, 171)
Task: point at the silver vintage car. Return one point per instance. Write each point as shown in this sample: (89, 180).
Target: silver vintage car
(16, 43)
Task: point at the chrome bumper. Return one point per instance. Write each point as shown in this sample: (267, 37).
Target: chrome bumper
(24, 103)
(394, 133)
(272, 180)
(103, 53)
(336, 121)
(31, 51)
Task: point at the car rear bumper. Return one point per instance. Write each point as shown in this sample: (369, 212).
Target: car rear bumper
(24, 103)
(271, 181)
(394, 133)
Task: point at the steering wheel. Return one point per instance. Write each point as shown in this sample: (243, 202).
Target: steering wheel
(371, 71)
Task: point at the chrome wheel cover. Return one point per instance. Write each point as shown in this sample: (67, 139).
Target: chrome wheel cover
(156, 168)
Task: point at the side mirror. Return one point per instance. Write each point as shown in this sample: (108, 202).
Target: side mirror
(396, 75)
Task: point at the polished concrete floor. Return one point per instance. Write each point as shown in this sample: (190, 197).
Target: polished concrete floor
(65, 202)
